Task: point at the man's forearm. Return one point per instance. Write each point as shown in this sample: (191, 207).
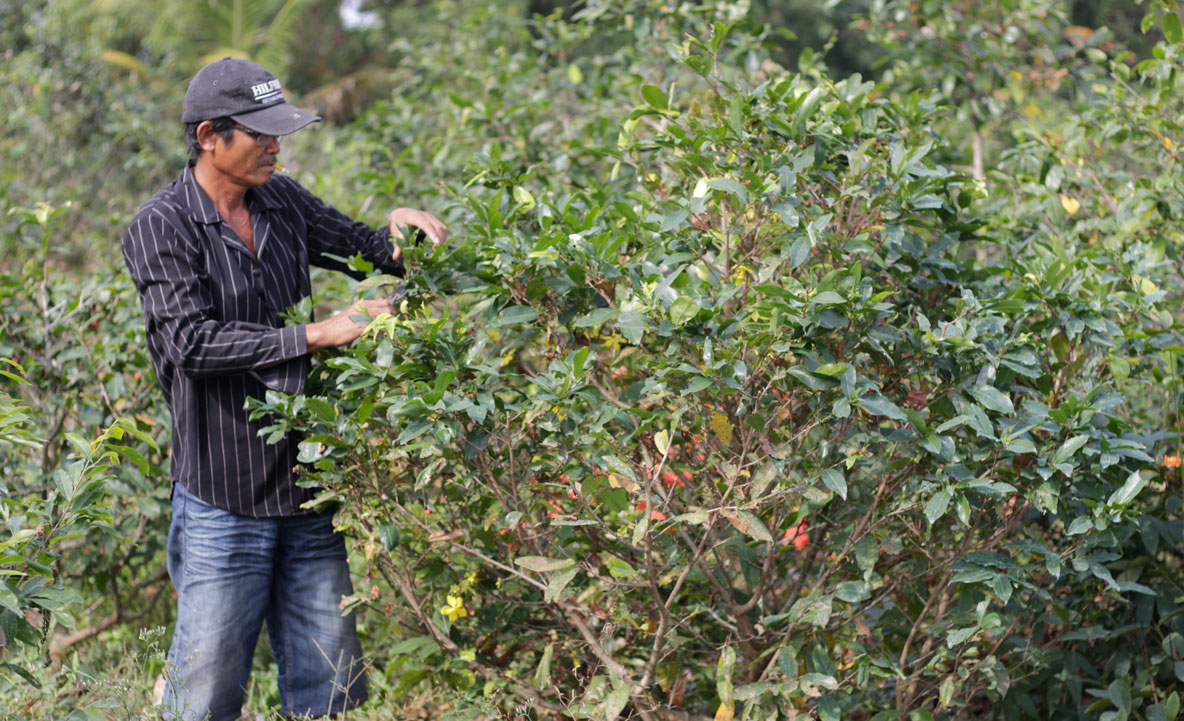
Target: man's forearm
(342, 329)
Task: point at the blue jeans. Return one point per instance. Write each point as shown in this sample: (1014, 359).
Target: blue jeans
(232, 573)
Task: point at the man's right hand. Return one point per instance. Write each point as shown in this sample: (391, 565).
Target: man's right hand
(342, 329)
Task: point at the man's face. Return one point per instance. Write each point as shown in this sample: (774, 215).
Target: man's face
(246, 159)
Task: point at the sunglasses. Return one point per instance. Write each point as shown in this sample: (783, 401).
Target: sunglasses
(261, 139)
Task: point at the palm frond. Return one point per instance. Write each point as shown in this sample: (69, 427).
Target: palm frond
(280, 37)
(340, 100)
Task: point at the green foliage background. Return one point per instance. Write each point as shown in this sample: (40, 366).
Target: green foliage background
(789, 359)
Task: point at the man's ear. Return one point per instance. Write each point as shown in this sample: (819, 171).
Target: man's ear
(206, 137)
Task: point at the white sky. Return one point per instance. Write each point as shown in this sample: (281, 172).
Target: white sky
(353, 18)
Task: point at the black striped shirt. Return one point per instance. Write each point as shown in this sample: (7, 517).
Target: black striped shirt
(214, 331)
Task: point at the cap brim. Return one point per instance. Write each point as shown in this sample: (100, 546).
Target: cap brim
(278, 119)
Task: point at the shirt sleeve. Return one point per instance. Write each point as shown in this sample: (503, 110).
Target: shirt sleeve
(333, 235)
(175, 292)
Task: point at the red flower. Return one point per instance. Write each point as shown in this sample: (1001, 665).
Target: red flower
(672, 479)
(655, 515)
(797, 535)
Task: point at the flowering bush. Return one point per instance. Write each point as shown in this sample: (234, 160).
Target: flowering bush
(716, 408)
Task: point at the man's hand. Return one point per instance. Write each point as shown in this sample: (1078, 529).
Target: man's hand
(401, 218)
(341, 329)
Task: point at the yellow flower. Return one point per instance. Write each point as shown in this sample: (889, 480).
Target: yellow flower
(740, 274)
(613, 342)
(455, 608)
(722, 427)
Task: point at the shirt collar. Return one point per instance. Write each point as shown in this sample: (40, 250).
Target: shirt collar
(201, 208)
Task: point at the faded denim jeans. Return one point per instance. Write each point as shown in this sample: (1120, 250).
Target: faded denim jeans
(232, 573)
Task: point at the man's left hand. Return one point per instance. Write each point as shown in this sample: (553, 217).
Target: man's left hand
(402, 218)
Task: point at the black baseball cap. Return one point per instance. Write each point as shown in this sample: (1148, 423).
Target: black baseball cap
(246, 92)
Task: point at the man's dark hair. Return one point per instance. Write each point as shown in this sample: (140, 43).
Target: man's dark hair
(222, 126)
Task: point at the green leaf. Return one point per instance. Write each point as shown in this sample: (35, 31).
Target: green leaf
(579, 360)
(542, 564)
(1134, 483)
(615, 703)
(828, 297)
(945, 693)
(725, 667)
(1173, 32)
(616, 499)
(829, 709)
(835, 481)
(979, 421)
(523, 197)
(321, 408)
(788, 213)
(514, 315)
(800, 251)
(853, 591)
(867, 553)
(683, 309)
(806, 110)
(1081, 524)
(959, 635)
(754, 690)
(1171, 706)
(1120, 693)
(631, 323)
(642, 527)
(674, 220)
(810, 380)
(425, 645)
(22, 673)
(662, 441)
(1060, 347)
(815, 608)
(542, 675)
(132, 455)
(620, 467)
(973, 575)
(559, 582)
(600, 316)
(878, 405)
(698, 518)
(1020, 445)
(728, 185)
(654, 96)
(1070, 447)
(388, 534)
(833, 370)
(936, 508)
(992, 399)
(9, 600)
(754, 527)
(619, 568)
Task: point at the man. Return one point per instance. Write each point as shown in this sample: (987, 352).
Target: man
(216, 256)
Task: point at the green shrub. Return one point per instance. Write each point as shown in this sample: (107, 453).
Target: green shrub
(721, 413)
(80, 494)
